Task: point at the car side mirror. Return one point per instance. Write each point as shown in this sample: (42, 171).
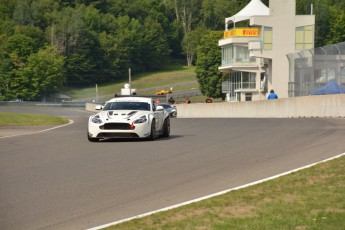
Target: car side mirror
(159, 108)
(98, 107)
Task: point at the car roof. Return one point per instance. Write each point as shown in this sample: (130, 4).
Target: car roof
(131, 99)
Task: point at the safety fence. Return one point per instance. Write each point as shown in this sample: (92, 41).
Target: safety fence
(318, 71)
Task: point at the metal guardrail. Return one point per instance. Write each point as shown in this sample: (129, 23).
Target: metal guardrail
(318, 71)
(48, 104)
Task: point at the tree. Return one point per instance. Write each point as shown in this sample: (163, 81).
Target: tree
(127, 44)
(19, 47)
(209, 58)
(190, 43)
(6, 71)
(42, 76)
(6, 9)
(187, 12)
(33, 32)
(337, 24)
(154, 49)
(14, 53)
(67, 29)
(21, 13)
(214, 12)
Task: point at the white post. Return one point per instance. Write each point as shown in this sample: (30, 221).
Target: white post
(96, 93)
(129, 81)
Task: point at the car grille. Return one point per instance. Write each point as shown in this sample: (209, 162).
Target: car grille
(119, 126)
(113, 135)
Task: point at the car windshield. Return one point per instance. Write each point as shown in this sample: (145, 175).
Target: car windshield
(127, 106)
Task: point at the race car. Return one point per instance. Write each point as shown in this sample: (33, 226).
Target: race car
(163, 92)
(129, 117)
(171, 109)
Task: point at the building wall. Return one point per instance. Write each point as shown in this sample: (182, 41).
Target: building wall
(284, 21)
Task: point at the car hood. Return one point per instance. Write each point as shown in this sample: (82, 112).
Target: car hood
(121, 115)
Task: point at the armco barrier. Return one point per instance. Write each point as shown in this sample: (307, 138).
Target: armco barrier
(309, 106)
(45, 104)
(90, 107)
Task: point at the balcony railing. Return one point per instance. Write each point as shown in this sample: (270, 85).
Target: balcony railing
(244, 85)
(239, 61)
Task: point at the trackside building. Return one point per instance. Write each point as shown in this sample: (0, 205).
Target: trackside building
(255, 57)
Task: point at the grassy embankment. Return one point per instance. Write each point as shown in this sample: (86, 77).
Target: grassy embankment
(313, 198)
(16, 119)
(179, 77)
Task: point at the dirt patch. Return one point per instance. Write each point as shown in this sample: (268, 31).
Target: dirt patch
(238, 211)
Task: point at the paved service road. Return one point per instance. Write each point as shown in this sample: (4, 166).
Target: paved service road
(59, 180)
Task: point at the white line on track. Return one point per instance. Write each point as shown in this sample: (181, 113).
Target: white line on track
(40, 131)
(213, 195)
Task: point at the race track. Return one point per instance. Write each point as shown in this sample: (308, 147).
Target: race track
(59, 180)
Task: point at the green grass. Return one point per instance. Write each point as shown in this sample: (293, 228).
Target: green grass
(16, 119)
(313, 198)
(178, 76)
(173, 76)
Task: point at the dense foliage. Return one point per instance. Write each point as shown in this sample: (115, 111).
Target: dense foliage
(208, 76)
(49, 44)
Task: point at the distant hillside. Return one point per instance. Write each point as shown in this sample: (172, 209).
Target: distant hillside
(179, 78)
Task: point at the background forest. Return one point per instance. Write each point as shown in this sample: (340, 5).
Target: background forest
(46, 45)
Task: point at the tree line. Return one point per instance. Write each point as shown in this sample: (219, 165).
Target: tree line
(46, 45)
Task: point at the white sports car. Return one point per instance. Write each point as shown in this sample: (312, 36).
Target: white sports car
(129, 117)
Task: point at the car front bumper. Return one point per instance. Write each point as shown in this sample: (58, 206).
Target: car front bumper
(119, 130)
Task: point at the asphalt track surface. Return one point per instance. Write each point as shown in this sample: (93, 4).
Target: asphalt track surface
(59, 180)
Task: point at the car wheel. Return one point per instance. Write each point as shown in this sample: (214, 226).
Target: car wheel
(91, 139)
(166, 127)
(153, 134)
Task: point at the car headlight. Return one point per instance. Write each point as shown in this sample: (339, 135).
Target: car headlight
(96, 120)
(142, 119)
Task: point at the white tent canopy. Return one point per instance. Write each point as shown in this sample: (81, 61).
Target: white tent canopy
(254, 8)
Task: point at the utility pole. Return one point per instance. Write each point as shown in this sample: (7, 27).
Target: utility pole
(129, 81)
(96, 93)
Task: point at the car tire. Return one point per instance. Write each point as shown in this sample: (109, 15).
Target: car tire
(166, 128)
(153, 133)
